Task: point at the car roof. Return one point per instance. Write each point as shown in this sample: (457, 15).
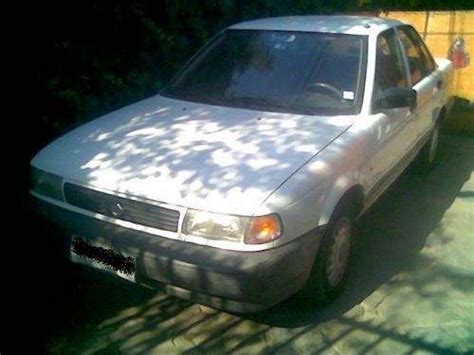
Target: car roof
(358, 25)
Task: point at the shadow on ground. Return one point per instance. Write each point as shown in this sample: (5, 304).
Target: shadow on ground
(88, 311)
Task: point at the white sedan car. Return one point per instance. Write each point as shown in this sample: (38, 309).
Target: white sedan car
(240, 182)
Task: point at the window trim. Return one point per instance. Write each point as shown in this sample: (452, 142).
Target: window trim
(405, 57)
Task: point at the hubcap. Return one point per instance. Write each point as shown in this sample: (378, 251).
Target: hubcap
(433, 145)
(339, 251)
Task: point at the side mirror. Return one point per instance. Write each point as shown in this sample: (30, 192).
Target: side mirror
(396, 98)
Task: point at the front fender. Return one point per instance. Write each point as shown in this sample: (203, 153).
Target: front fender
(339, 188)
(308, 198)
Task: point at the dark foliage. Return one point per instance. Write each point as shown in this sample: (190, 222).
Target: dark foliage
(95, 56)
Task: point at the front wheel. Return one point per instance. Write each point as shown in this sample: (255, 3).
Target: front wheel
(331, 266)
(339, 251)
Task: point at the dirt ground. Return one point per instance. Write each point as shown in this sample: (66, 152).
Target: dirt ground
(411, 289)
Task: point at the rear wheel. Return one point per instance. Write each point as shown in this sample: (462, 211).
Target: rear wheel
(428, 153)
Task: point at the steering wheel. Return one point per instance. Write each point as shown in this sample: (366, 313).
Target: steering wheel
(326, 87)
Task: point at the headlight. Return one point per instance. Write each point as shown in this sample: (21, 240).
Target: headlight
(46, 184)
(251, 230)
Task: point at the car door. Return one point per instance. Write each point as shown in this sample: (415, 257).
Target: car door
(424, 80)
(393, 128)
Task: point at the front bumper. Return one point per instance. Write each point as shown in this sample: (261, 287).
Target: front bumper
(231, 280)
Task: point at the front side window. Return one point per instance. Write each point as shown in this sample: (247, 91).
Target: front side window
(280, 71)
(389, 68)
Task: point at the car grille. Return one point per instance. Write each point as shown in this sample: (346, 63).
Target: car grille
(122, 208)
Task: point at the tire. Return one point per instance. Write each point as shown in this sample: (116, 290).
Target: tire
(332, 262)
(428, 153)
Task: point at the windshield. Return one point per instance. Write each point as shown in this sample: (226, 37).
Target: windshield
(297, 72)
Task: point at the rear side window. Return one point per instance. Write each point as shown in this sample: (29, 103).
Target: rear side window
(426, 55)
(420, 62)
(389, 68)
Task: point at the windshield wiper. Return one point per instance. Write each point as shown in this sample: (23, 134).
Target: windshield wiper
(259, 101)
(264, 102)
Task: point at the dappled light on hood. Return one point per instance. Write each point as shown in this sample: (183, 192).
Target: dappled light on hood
(214, 158)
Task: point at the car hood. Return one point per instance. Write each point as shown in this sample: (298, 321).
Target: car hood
(213, 158)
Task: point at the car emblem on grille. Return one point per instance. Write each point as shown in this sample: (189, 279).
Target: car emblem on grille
(117, 210)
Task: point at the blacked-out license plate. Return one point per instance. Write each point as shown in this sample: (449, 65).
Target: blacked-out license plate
(103, 258)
